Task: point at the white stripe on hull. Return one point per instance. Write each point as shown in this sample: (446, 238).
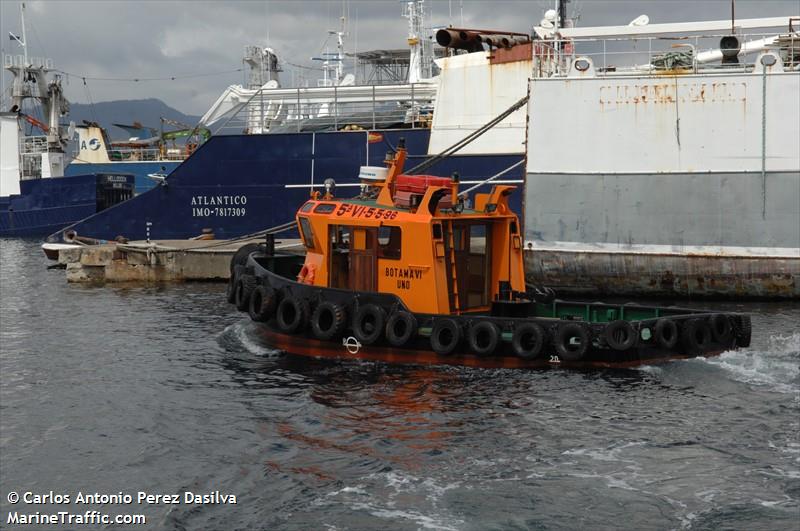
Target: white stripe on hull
(669, 250)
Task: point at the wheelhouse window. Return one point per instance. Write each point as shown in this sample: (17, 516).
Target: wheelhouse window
(389, 242)
(324, 208)
(306, 232)
(308, 206)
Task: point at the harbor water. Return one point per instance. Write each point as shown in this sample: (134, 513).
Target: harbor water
(167, 390)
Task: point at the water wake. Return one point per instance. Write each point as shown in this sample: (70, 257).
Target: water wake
(777, 366)
(241, 337)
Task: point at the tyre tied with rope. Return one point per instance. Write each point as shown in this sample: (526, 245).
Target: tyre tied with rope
(620, 335)
(446, 336)
(721, 328)
(401, 328)
(483, 338)
(696, 336)
(666, 333)
(244, 288)
(292, 314)
(236, 272)
(571, 341)
(328, 320)
(743, 330)
(528, 341)
(263, 303)
(369, 322)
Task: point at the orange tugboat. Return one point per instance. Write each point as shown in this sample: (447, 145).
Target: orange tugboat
(409, 272)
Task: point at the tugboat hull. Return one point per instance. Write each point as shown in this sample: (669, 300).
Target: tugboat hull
(349, 348)
(694, 333)
(406, 272)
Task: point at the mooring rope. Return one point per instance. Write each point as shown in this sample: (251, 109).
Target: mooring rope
(252, 236)
(467, 139)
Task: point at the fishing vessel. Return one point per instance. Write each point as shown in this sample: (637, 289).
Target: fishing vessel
(149, 154)
(658, 171)
(260, 106)
(35, 196)
(410, 271)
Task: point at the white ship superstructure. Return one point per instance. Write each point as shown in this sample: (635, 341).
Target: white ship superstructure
(679, 174)
(32, 156)
(338, 101)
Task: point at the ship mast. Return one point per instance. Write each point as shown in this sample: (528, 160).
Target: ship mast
(24, 36)
(30, 82)
(333, 63)
(340, 53)
(419, 64)
(559, 22)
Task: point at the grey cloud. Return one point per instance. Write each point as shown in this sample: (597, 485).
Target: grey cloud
(143, 39)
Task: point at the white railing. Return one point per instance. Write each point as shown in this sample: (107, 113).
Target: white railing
(29, 145)
(31, 149)
(332, 108)
(654, 54)
(138, 154)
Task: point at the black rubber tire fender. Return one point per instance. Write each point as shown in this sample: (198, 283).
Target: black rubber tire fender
(242, 253)
(666, 333)
(565, 348)
(744, 331)
(446, 336)
(369, 323)
(292, 314)
(721, 329)
(696, 336)
(263, 302)
(328, 320)
(244, 288)
(528, 341)
(230, 292)
(483, 338)
(401, 327)
(621, 335)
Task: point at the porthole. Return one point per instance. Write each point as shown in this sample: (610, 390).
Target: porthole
(582, 65)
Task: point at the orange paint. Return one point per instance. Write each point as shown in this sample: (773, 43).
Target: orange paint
(404, 236)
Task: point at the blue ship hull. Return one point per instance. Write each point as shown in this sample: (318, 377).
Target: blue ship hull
(140, 170)
(240, 184)
(46, 205)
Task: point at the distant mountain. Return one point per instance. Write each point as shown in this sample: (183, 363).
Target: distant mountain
(147, 112)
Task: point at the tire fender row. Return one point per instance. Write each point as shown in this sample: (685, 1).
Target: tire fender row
(531, 338)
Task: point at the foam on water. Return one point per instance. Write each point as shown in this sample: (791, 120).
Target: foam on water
(424, 521)
(610, 453)
(391, 502)
(776, 367)
(409, 483)
(241, 335)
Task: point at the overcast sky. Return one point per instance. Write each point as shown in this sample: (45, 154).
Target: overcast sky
(155, 39)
